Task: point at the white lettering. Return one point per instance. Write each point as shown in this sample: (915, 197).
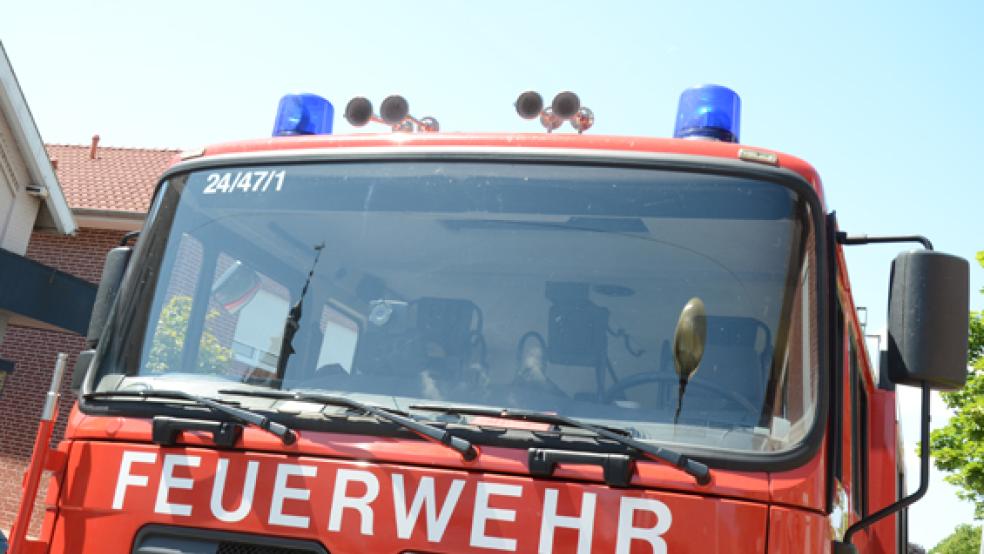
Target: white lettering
(259, 181)
(340, 501)
(211, 180)
(125, 478)
(246, 499)
(583, 523)
(483, 513)
(282, 492)
(223, 183)
(425, 496)
(627, 532)
(244, 182)
(249, 181)
(169, 481)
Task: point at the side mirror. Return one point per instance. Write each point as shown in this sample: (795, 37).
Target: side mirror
(109, 286)
(928, 309)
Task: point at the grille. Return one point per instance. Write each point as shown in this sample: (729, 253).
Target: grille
(157, 539)
(226, 547)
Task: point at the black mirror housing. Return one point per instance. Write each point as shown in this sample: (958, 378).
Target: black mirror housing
(82, 364)
(109, 286)
(928, 310)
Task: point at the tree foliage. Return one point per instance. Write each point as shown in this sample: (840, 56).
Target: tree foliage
(965, 539)
(958, 447)
(168, 344)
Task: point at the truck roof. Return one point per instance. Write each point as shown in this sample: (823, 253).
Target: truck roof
(610, 143)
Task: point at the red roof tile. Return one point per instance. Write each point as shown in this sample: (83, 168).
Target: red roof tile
(119, 179)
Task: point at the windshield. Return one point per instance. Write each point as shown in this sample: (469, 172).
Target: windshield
(534, 286)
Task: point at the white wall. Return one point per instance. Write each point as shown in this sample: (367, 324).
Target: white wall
(18, 209)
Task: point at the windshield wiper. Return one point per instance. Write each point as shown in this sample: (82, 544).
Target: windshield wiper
(700, 472)
(287, 435)
(430, 432)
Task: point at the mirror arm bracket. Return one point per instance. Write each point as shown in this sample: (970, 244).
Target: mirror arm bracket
(131, 236)
(844, 238)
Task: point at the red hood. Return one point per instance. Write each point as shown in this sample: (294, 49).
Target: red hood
(115, 489)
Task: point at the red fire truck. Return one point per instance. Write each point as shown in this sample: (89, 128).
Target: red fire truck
(423, 342)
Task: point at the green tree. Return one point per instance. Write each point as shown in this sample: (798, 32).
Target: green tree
(958, 447)
(169, 337)
(965, 539)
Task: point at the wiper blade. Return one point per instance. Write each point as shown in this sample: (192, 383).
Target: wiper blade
(430, 432)
(284, 433)
(700, 472)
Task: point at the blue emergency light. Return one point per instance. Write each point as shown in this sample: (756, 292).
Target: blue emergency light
(709, 112)
(303, 114)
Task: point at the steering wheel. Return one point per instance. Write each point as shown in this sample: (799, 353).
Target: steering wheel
(646, 377)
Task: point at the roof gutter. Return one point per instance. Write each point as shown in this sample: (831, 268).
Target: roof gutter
(109, 219)
(25, 131)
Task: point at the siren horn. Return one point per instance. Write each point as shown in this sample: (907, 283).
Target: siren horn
(566, 104)
(394, 109)
(529, 104)
(358, 111)
(583, 120)
(549, 119)
(428, 125)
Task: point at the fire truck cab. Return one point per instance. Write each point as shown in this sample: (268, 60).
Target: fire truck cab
(442, 343)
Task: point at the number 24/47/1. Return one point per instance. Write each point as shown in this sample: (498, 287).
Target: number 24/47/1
(245, 181)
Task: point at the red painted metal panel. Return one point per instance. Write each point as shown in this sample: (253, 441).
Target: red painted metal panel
(519, 140)
(803, 486)
(747, 485)
(794, 531)
(360, 507)
(882, 474)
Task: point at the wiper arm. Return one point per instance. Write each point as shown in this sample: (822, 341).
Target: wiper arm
(700, 472)
(287, 435)
(430, 432)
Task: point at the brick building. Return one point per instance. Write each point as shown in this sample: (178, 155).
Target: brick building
(108, 191)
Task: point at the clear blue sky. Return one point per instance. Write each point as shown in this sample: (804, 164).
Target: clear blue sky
(885, 99)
